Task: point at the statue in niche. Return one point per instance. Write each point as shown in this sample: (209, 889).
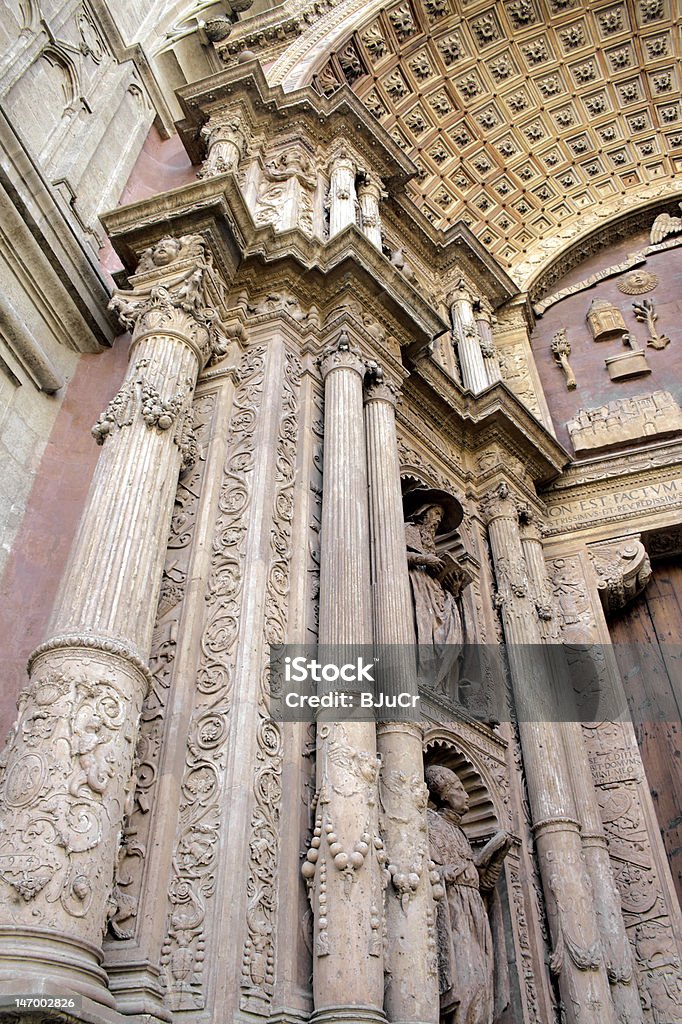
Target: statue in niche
(436, 581)
(465, 945)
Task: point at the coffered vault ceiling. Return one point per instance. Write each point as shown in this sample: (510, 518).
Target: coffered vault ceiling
(523, 116)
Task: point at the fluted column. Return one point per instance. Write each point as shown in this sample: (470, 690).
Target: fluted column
(411, 963)
(577, 955)
(370, 193)
(491, 362)
(68, 777)
(346, 849)
(342, 195)
(616, 947)
(466, 340)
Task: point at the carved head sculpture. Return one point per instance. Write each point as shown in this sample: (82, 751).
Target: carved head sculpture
(169, 250)
(419, 502)
(446, 789)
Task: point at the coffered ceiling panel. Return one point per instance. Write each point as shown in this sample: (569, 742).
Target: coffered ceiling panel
(520, 115)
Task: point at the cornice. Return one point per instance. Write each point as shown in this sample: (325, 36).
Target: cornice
(323, 115)
(215, 208)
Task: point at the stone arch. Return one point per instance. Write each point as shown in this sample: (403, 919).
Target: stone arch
(486, 812)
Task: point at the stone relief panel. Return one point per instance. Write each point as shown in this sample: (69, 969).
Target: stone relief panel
(192, 883)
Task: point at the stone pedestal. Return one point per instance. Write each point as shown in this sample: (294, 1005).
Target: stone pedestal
(411, 965)
(69, 768)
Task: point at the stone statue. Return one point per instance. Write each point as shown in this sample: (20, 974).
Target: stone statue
(435, 581)
(465, 950)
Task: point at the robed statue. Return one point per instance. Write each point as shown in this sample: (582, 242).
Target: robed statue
(436, 581)
(465, 948)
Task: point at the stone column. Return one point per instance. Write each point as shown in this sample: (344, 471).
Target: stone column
(577, 956)
(466, 340)
(491, 362)
(411, 967)
(342, 195)
(616, 947)
(69, 772)
(225, 144)
(346, 853)
(370, 192)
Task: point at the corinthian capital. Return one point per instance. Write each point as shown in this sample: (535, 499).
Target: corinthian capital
(499, 503)
(176, 289)
(342, 354)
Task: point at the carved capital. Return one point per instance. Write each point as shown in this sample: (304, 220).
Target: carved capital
(342, 354)
(377, 388)
(175, 289)
(499, 503)
(226, 144)
(623, 570)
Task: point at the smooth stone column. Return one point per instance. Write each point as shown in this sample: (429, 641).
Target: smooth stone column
(342, 195)
(466, 340)
(617, 950)
(411, 962)
(69, 777)
(577, 956)
(491, 362)
(346, 851)
(370, 193)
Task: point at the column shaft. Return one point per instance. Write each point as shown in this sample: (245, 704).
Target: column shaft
(466, 340)
(342, 195)
(577, 954)
(411, 965)
(616, 947)
(68, 777)
(348, 852)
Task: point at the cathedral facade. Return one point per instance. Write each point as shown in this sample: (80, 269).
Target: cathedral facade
(345, 326)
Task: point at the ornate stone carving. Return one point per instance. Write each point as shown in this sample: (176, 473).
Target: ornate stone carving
(605, 320)
(464, 939)
(623, 569)
(65, 777)
(195, 859)
(285, 193)
(628, 364)
(627, 419)
(645, 312)
(184, 303)
(665, 225)
(561, 350)
(225, 144)
(637, 282)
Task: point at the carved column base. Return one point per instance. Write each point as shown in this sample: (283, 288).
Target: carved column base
(138, 990)
(67, 786)
(37, 963)
(349, 1015)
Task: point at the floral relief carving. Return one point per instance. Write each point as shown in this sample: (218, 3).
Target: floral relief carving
(195, 856)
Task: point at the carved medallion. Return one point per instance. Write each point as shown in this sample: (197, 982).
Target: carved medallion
(637, 283)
